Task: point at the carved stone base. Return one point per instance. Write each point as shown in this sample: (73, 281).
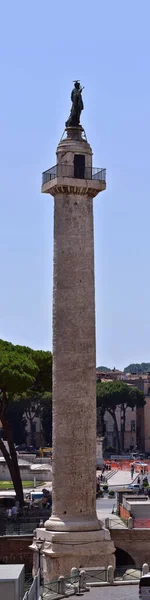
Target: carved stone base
(61, 551)
(75, 133)
(80, 523)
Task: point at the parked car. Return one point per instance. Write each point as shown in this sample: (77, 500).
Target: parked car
(144, 587)
(23, 449)
(134, 486)
(137, 455)
(139, 463)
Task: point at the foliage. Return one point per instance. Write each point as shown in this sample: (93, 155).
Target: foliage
(137, 368)
(43, 380)
(100, 493)
(111, 394)
(111, 493)
(103, 369)
(18, 369)
(24, 373)
(110, 450)
(105, 487)
(36, 401)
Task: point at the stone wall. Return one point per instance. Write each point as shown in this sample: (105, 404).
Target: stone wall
(136, 542)
(16, 549)
(27, 472)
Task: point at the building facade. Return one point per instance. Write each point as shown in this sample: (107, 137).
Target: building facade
(137, 426)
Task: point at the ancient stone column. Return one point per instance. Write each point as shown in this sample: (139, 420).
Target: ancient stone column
(74, 368)
(73, 535)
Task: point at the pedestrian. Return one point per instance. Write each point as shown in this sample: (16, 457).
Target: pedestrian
(14, 511)
(132, 472)
(30, 504)
(132, 468)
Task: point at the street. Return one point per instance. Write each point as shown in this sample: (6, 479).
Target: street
(121, 592)
(105, 504)
(104, 508)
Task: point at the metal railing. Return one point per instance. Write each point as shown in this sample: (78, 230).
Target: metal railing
(65, 586)
(33, 592)
(116, 523)
(81, 580)
(22, 525)
(65, 170)
(128, 573)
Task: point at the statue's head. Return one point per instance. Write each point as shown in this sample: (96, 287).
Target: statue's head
(77, 85)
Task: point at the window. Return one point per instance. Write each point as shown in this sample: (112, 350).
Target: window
(79, 166)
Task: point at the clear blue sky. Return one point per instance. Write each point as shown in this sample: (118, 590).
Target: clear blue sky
(43, 47)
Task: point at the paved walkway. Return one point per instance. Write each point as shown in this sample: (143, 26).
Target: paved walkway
(115, 521)
(127, 592)
(119, 479)
(122, 478)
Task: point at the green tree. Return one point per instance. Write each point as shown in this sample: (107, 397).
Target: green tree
(18, 371)
(38, 399)
(103, 369)
(138, 368)
(24, 374)
(43, 379)
(117, 393)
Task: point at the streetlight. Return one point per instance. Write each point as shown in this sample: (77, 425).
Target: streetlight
(39, 544)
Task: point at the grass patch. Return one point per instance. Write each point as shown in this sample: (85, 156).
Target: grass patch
(8, 485)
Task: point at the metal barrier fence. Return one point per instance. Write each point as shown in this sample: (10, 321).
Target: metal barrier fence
(80, 581)
(129, 573)
(65, 586)
(33, 593)
(22, 525)
(117, 523)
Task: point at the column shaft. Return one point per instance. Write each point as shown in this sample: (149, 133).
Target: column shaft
(74, 368)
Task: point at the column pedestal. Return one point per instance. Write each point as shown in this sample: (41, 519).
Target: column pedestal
(62, 550)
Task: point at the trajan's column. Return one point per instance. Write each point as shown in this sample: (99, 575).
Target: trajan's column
(73, 536)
